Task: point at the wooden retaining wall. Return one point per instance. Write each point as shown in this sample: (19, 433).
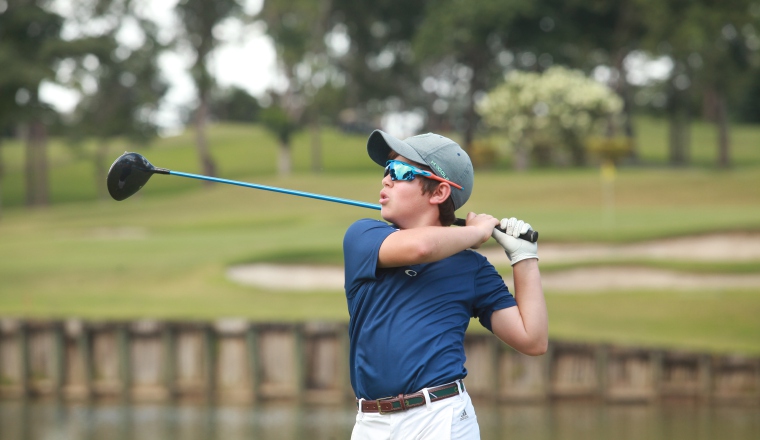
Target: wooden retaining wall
(238, 361)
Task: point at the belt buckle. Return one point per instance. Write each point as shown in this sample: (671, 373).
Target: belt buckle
(380, 405)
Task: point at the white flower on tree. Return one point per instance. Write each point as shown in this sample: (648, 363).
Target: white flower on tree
(554, 110)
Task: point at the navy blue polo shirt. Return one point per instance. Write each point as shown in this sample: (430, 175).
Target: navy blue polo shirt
(407, 324)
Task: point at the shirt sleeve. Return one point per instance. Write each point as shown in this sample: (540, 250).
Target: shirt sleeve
(492, 294)
(361, 246)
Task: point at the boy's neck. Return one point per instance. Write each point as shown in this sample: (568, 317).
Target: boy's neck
(420, 221)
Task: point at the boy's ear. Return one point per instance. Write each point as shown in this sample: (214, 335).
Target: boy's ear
(441, 193)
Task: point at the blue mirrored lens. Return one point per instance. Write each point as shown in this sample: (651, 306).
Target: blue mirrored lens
(400, 170)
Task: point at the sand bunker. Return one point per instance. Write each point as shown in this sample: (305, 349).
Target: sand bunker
(719, 248)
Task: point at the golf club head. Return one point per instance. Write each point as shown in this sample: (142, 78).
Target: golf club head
(128, 174)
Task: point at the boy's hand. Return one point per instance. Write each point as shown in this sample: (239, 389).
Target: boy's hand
(516, 249)
(486, 223)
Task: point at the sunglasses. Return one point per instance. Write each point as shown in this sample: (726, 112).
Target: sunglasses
(403, 171)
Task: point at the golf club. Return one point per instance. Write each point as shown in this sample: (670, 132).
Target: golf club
(131, 171)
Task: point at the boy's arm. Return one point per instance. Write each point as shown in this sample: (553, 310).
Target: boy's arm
(525, 327)
(433, 243)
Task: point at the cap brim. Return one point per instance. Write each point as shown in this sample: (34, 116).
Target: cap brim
(380, 144)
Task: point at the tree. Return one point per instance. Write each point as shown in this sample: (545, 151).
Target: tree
(709, 48)
(234, 104)
(725, 57)
(297, 29)
(749, 106)
(8, 108)
(5, 107)
(604, 33)
(467, 36)
(30, 46)
(129, 88)
(560, 107)
(276, 119)
(379, 64)
(199, 19)
(324, 107)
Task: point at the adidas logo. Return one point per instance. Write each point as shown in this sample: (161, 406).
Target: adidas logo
(463, 415)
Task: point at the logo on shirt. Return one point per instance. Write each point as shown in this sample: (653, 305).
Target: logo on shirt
(411, 272)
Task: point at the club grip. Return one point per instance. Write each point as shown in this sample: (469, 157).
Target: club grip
(531, 235)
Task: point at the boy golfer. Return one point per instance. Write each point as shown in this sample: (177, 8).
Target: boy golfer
(412, 286)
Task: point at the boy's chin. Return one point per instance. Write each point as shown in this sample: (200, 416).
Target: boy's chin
(386, 215)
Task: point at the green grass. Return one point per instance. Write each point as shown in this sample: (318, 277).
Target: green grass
(719, 321)
(163, 253)
(652, 135)
(240, 151)
(688, 267)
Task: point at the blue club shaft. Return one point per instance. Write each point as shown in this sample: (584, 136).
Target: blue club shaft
(531, 235)
(279, 190)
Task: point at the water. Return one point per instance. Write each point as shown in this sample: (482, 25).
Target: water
(560, 421)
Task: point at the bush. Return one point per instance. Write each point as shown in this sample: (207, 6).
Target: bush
(550, 112)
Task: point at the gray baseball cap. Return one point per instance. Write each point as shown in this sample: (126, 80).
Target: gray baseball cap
(444, 156)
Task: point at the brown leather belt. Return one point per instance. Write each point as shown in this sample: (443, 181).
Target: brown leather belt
(403, 402)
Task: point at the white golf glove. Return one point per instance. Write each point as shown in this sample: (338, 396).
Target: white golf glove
(516, 249)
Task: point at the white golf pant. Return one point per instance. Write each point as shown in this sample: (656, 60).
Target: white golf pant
(447, 419)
